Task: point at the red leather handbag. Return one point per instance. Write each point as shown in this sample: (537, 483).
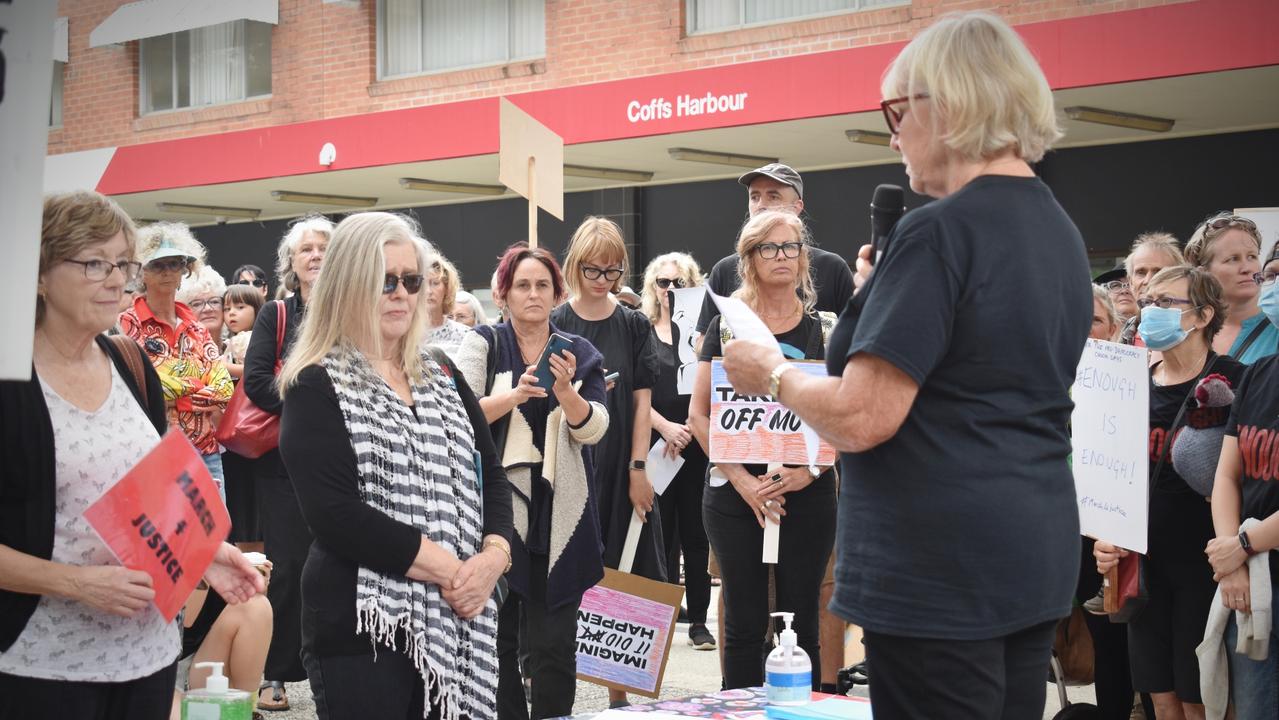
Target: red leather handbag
(246, 429)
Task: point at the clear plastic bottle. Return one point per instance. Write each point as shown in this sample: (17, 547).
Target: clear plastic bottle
(788, 672)
(217, 701)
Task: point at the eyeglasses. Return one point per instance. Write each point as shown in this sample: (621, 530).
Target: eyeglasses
(1267, 278)
(412, 283)
(1117, 285)
(590, 272)
(892, 115)
(99, 270)
(665, 283)
(171, 264)
(1224, 221)
(1163, 302)
(768, 251)
(211, 303)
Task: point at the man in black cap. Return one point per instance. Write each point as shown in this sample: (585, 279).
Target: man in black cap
(778, 187)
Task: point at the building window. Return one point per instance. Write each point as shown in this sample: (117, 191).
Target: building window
(55, 97)
(428, 36)
(720, 15)
(206, 66)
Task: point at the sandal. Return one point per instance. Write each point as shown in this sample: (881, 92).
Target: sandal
(279, 700)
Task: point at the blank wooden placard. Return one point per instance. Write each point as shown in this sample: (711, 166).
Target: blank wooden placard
(524, 139)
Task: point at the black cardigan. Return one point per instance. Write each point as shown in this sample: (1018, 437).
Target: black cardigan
(28, 478)
(259, 357)
(348, 533)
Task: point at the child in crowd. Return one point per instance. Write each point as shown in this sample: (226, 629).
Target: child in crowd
(241, 304)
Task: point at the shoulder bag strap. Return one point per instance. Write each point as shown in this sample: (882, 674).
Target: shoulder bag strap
(1252, 338)
(1166, 451)
(133, 359)
(281, 319)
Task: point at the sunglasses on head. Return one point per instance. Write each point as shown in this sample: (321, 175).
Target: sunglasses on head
(412, 283)
(665, 283)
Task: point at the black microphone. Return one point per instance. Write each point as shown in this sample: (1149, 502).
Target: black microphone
(886, 208)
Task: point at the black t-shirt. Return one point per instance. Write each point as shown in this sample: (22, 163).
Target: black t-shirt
(832, 280)
(1254, 420)
(963, 525)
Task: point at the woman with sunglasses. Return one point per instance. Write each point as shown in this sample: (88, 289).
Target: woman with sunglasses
(397, 476)
(681, 504)
(196, 383)
(253, 276)
(1229, 247)
(1182, 312)
(556, 543)
(773, 263)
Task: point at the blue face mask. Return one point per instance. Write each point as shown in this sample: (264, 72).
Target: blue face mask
(1269, 303)
(1160, 328)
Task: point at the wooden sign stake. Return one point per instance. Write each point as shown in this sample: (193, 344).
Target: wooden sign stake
(531, 162)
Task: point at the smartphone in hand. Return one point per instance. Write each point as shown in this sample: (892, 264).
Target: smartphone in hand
(557, 343)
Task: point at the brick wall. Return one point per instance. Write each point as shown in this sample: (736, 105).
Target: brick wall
(324, 60)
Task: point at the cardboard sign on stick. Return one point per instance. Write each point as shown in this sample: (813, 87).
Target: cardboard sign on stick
(757, 428)
(164, 517)
(531, 162)
(1110, 437)
(25, 64)
(624, 630)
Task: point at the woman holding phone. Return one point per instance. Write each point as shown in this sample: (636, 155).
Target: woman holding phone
(542, 433)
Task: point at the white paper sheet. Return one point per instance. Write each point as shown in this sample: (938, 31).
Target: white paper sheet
(661, 469)
(744, 323)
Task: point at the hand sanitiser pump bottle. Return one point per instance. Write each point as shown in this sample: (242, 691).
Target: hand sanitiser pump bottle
(217, 701)
(788, 672)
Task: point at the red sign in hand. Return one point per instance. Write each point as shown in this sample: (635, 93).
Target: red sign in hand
(164, 517)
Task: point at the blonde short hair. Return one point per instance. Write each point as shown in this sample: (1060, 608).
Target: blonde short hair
(289, 243)
(1161, 241)
(343, 308)
(205, 281)
(754, 233)
(452, 280)
(76, 221)
(688, 269)
(1102, 295)
(988, 93)
(596, 237)
(1199, 247)
(176, 234)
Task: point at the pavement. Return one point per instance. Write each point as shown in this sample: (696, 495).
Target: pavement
(688, 672)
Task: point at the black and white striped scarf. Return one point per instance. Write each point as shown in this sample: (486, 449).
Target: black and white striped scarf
(420, 469)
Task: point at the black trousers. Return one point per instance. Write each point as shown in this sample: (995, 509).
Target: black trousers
(807, 539)
(681, 507)
(147, 698)
(1004, 677)
(241, 498)
(1112, 674)
(362, 687)
(551, 646)
(287, 540)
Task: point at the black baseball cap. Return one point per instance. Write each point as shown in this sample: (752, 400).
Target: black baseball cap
(784, 174)
(1119, 273)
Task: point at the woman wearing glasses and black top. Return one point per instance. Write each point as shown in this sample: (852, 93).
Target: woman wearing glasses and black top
(1182, 313)
(681, 504)
(774, 265)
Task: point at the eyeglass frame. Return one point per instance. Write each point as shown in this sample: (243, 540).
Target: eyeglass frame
(590, 272)
(1144, 303)
(391, 282)
(1116, 285)
(892, 118)
(775, 248)
(679, 283)
(123, 266)
(1226, 220)
(200, 305)
(1261, 279)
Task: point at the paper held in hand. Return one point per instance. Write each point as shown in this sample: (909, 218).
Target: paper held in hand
(164, 517)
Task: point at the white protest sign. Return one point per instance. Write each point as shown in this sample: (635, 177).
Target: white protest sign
(686, 305)
(26, 72)
(1110, 432)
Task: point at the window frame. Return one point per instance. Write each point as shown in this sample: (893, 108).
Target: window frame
(689, 13)
(380, 41)
(144, 73)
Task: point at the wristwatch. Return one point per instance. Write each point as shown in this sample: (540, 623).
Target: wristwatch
(636, 465)
(1246, 544)
(775, 378)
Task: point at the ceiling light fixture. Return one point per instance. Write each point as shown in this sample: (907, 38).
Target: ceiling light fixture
(1119, 119)
(451, 187)
(719, 158)
(604, 173)
(869, 137)
(214, 210)
(323, 199)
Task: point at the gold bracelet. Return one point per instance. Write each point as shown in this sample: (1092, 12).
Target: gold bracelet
(500, 546)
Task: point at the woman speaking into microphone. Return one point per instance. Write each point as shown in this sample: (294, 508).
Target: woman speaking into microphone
(958, 536)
